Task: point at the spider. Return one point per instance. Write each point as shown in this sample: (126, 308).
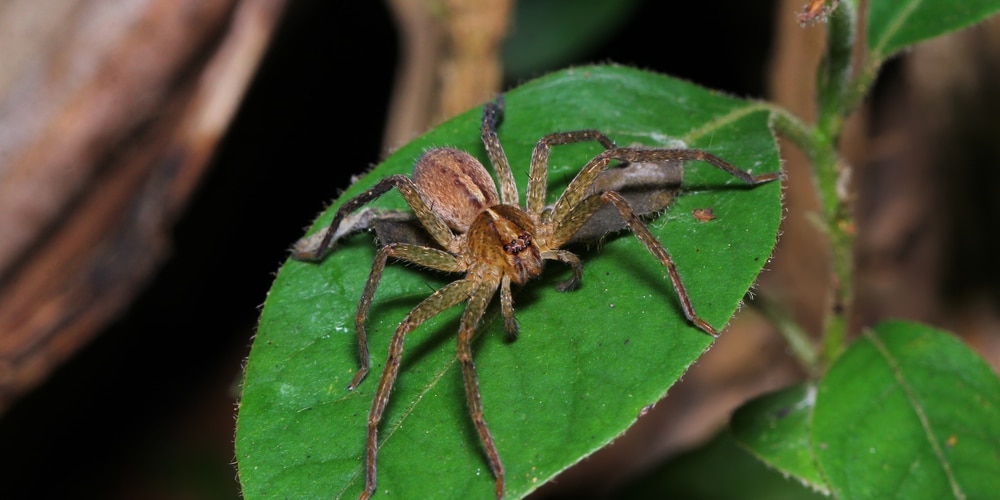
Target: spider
(494, 242)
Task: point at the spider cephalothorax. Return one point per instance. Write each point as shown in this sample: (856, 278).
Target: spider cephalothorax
(502, 239)
(494, 241)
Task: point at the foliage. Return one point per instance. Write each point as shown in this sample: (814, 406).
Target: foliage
(904, 410)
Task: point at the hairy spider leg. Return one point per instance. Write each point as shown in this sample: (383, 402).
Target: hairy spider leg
(654, 246)
(442, 299)
(577, 189)
(569, 258)
(507, 307)
(579, 215)
(478, 301)
(570, 223)
(572, 209)
(507, 298)
(431, 221)
(427, 257)
(492, 116)
(539, 173)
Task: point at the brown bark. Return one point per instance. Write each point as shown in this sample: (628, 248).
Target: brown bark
(109, 114)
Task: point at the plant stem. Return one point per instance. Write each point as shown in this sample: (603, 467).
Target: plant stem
(793, 129)
(834, 75)
(835, 90)
(836, 97)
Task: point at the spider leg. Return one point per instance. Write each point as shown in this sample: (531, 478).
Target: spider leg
(567, 257)
(660, 155)
(653, 245)
(473, 312)
(492, 116)
(579, 187)
(507, 306)
(568, 224)
(423, 256)
(434, 225)
(538, 183)
(507, 299)
(440, 300)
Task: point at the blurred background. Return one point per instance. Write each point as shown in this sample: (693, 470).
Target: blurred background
(158, 159)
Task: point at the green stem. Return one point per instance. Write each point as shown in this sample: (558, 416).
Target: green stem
(841, 237)
(793, 129)
(834, 76)
(836, 94)
(858, 88)
(835, 224)
(834, 339)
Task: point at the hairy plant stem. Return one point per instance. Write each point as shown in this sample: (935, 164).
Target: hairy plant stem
(837, 95)
(833, 78)
(834, 87)
(834, 222)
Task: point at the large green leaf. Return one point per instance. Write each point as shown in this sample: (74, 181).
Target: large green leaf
(896, 24)
(586, 363)
(908, 412)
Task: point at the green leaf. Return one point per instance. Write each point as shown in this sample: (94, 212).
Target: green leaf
(586, 362)
(696, 474)
(908, 412)
(776, 428)
(895, 24)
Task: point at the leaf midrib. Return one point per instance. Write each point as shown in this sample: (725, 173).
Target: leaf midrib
(918, 409)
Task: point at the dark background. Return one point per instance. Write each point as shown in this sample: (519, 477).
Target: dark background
(147, 410)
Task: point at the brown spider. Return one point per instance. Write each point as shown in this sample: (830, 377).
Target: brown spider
(494, 242)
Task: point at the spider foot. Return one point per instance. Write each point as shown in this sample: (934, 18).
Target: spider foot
(358, 377)
(705, 327)
(768, 177)
(568, 285)
(512, 328)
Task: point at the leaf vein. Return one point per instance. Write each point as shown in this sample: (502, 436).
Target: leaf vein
(900, 20)
(918, 409)
(721, 121)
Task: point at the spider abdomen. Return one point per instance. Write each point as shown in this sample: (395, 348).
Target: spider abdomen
(503, 237)
(455, 185)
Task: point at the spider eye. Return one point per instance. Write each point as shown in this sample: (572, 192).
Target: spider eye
(519, 244)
